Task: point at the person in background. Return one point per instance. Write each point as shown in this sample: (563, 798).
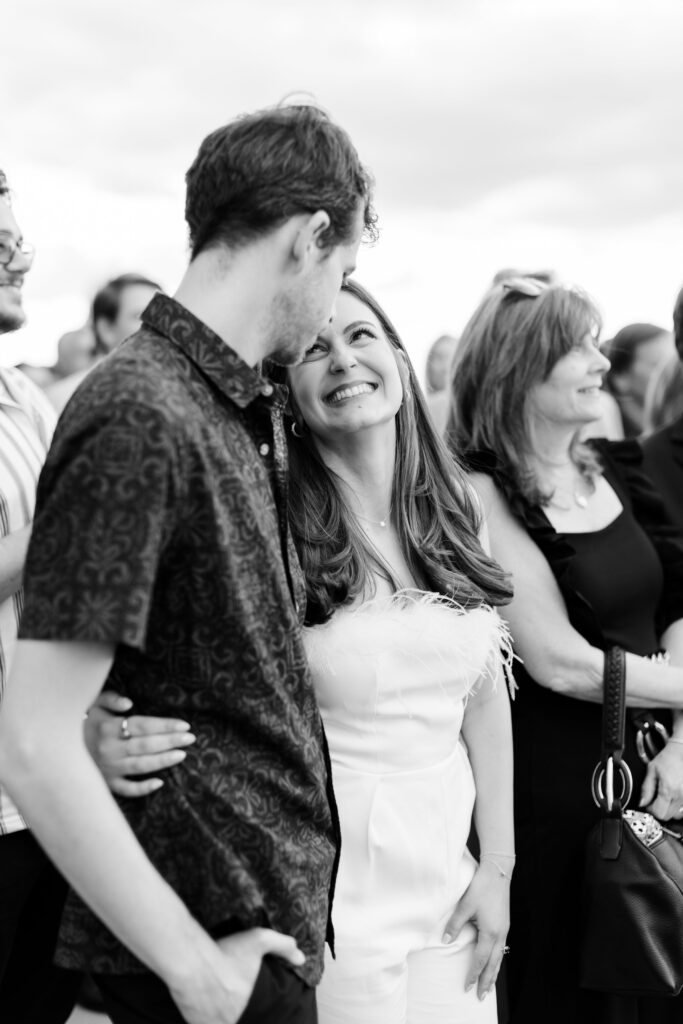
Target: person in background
(75, 351)
(437, 377)
(116, 314)
(32, 990)
(664, 399)
(32, 893)
(161, 564)
(594, 562)
(663, 449)
(635, 352)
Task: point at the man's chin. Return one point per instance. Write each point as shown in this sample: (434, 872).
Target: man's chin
(288, 356)
(11, 320)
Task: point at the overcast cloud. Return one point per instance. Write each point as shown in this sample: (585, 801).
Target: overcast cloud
(499, 131)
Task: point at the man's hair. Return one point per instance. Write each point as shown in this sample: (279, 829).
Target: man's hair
(678, 324)
(261, 169)
(4, 187)
(107, 303)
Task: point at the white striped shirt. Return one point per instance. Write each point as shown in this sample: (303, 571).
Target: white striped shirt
(26, 424)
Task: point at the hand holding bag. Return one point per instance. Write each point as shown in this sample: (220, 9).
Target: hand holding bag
(632, 908)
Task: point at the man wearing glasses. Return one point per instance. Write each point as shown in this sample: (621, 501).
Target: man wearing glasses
(31, 891)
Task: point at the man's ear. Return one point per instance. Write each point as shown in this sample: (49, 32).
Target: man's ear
(308, 238)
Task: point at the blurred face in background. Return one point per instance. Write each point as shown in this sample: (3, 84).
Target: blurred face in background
(439, 361)
(648, 357)
(133, 300)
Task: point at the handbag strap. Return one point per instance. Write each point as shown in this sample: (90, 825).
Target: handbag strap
(612, 773)
(614, 703)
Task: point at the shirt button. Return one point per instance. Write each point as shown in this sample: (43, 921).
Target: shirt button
(267, 390)
(264, 449)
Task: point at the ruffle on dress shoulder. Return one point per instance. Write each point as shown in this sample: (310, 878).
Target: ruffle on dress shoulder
(420, 628)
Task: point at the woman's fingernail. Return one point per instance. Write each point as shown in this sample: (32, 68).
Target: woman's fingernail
(447, 937)
(187, 738)
(178, 755)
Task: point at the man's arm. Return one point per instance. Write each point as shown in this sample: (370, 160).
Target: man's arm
(13, 550)
(46, 768)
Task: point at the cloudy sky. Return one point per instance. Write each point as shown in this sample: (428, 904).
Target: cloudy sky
(531, 133)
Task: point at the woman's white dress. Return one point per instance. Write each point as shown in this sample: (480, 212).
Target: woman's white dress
(392, 678)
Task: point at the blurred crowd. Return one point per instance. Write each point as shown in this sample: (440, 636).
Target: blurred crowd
(643, 389)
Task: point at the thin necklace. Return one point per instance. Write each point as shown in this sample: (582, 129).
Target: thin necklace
(376, 522)
(580, 500)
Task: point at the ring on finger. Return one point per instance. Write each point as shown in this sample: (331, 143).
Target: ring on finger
(124, 730)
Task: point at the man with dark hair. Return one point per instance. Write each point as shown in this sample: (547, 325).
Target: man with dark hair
(116, 314)
(663, 450)
(162, 565)
(31, 891)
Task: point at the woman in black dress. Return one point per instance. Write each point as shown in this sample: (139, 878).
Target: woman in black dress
(595, 562)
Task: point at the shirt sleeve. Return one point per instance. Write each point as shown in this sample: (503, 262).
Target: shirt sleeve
(106, 508)
(31, 399)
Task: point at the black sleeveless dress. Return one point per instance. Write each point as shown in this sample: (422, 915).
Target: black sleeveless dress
(622, 585)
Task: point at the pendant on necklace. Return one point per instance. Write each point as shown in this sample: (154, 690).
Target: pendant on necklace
(383, 523)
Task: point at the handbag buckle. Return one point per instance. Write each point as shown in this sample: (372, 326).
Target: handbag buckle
(602, 783)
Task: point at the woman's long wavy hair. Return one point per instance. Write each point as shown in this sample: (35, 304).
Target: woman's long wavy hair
(519, 331)
(432, 505)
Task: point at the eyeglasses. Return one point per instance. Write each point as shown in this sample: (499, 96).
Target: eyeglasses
(528, 287)
(9, 247)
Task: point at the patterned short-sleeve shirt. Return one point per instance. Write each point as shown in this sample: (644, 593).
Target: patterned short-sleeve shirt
(161, 527)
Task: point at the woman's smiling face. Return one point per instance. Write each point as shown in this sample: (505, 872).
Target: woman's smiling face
(349, 378)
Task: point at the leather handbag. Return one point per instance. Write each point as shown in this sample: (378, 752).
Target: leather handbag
(632, 907)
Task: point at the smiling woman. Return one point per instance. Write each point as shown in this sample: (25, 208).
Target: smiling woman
(349, 379)
(400, 630)
(595, 564)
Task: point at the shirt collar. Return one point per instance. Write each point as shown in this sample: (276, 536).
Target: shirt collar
(6, 396)
(214, 357)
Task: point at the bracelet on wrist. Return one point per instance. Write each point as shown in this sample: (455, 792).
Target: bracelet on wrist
(492, 858)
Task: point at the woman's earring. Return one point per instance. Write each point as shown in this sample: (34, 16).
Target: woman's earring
(296, 429)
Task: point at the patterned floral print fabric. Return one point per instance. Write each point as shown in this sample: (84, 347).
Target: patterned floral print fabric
(160, 526)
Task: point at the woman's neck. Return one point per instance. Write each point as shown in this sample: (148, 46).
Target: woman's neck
(364, 462)
(551, 450)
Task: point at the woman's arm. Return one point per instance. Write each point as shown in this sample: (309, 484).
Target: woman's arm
(486, 903)
(553, 652)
